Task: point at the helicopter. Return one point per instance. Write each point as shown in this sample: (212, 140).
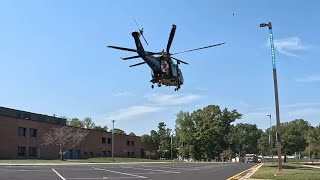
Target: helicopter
(163, 69)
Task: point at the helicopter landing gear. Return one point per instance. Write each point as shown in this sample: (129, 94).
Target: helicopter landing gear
(152, 86)
(159, 85)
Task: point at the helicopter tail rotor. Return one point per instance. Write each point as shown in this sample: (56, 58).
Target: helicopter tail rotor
(141, 31)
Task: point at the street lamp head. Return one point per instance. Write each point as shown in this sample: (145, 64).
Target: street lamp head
(269, 115)
(263, 25)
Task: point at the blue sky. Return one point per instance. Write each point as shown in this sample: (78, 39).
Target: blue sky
(54, 59)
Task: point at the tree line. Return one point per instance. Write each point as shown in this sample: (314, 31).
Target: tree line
(87, 123)
(210, 134)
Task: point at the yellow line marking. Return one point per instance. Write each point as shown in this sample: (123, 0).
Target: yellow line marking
(237, 175)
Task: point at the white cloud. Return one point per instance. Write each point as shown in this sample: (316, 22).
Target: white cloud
(289, 46)
(171, 99)
(154, 103)
(308, 79)
(132, 112)
(125, 93)
(309, 111)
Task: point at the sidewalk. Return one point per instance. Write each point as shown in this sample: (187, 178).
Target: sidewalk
(312, 166)
(251, 172)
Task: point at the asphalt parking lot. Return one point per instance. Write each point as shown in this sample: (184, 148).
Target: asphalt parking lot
(153, 171)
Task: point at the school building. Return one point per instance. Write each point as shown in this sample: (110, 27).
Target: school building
(21, 135)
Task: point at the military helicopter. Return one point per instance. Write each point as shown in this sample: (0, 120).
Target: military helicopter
(163, 69)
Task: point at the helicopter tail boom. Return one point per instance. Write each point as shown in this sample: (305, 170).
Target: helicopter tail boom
(140, 49)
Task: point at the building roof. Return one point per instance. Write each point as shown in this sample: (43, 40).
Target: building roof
(14, 113)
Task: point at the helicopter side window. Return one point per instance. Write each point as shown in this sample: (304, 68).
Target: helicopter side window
(164, 66)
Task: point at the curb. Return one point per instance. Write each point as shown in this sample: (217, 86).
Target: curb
(251, 171)
(237, 176)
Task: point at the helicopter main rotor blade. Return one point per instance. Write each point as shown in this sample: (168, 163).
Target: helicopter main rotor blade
(132, 57)
(147, 54)
(173, 30)
(123, 48)
(137, 64)
(198, 48)
(179, 60)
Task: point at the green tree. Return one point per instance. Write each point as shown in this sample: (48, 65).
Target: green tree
(99, 128)
(118, 131)
(212, 128)
(243, 139)
(146, 138)
(185, 129)
(164, 140)
(226, 154)
(75, 122)
(88, 123)
(294, 136)
(312, 141)
(155, 138)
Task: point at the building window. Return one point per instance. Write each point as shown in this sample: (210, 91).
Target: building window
(21, 151)
(22, 131)
(103, 140)
(132, 153)
(132, 143)
(85, 153)
(91, 153)
(128, 153)
(33, 132)
(104, 153)
(32, 151)
(128, 142)
(109, 140)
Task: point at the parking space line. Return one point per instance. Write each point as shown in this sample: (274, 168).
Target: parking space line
(119, 172)
(24, 170)
(58, 174)
(151, 169)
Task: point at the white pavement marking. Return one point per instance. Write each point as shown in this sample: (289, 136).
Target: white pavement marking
(119, 172)
(174, 167)
(58, 174)
(151, 169)
(23, 170)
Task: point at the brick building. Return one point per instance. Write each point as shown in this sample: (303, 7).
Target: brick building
(21, 133)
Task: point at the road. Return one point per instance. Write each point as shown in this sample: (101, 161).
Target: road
(152, 171)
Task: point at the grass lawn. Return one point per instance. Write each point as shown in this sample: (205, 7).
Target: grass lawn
(290, 171)
(91, 160)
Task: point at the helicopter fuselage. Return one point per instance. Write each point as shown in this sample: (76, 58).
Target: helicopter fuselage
(163, 70)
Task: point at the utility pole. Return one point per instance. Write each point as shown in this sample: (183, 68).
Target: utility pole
(278, 134)
(112, 141)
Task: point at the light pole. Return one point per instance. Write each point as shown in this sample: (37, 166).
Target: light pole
(276, 95)
(112, 140)
(270, 140)
(171, 145)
